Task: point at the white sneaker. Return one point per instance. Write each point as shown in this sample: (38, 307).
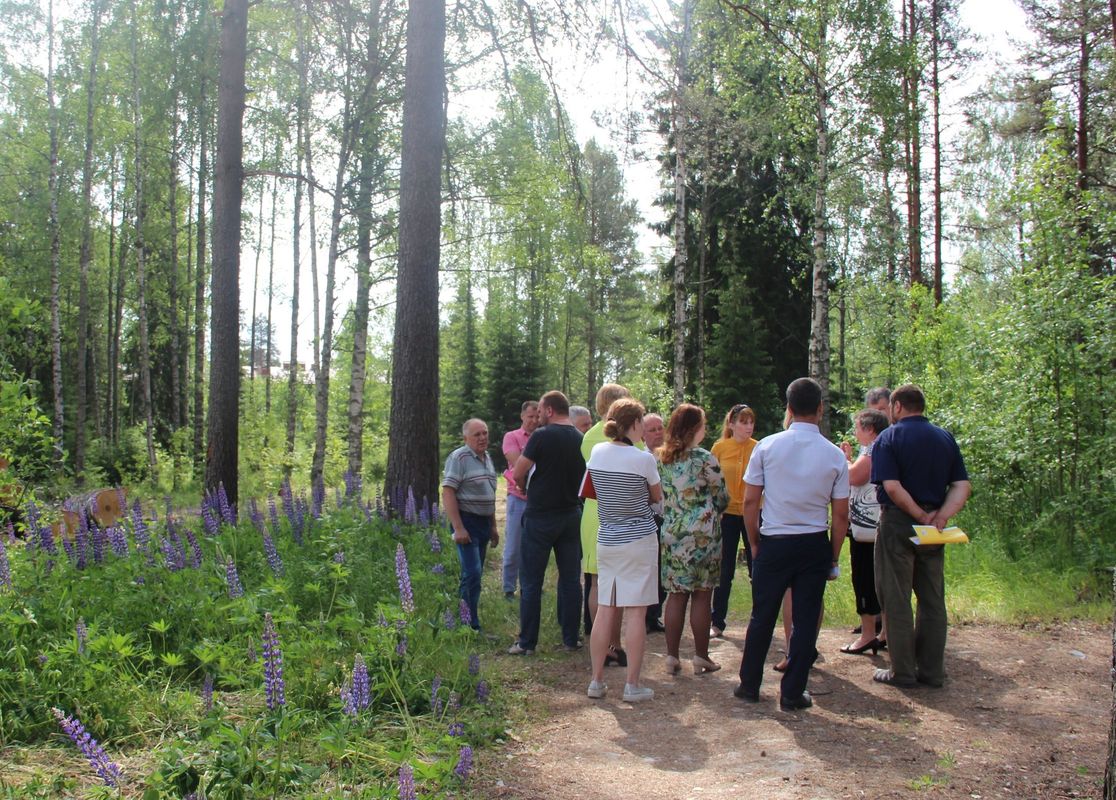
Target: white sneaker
(637, 694)
(597, 690)
(516, 650)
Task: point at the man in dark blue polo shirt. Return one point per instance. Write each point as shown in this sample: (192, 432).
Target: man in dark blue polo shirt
(922, 481)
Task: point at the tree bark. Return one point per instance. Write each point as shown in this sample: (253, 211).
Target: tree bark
(678, 128)
(55, 254)
(412, 439)
(935, 99)
(86, 256)
(913, 144)
(819, 306)
(141, 255)
(172, 278)
(200, 280)
(296, 241)
(1110, 762)
(270, 291)
(228, 193)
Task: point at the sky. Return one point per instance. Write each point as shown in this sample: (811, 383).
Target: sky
(593, 93)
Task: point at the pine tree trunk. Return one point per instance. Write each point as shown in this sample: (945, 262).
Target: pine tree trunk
(1110, 762)
(296, 244)
(678, 128)
(55, 255)
(228, 194)
(172, 278)
(935, 88)
(110, 365)
(118, 322)
(199, 282)
(141, 255)
(252, 347)
(86, 256)
(913, 144)
(360, 310)
(412, 437)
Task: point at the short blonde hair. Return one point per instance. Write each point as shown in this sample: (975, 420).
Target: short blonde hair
(609, 394)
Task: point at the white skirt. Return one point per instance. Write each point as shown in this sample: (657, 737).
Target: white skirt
(628, 574)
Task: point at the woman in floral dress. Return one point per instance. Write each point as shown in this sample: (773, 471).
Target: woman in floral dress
(693, 498)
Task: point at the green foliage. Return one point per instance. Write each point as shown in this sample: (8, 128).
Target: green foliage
(155, 630)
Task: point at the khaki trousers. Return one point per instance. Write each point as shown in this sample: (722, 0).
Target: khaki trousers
(915, 642)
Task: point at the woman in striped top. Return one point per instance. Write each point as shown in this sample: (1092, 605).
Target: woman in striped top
(625, 481)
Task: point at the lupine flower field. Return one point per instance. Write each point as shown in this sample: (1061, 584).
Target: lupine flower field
(315, 649)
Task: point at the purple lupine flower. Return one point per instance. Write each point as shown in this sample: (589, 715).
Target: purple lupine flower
(118, 541)
(195, 548)
(350, 482)
(207, 692)
(82, 634)
(403, 575)
(97, 536)
(42, 659)
(464, 612)
(435, 700)
(438, 569)
(178, 545)
(5, 568)
(273, 559)
(424, 516)
(232, 580)
(120, 499)
(456, 729)
(286, 497)
(81, 541)
(273, 515)
(464, 762)
(382, 621)
(11, 533)
(410, 514)
(401, 646)
(68, 546)
(407, 783)
(298, 520)
(255, 515)
(209, 521)
(171, 554)
(347, 703)
(139, 528)
(474, 664)
(273, 665)
(317, 499)
(435, 542)
(44, 534)
(110, 773)
(339, 557)
(454, 702)
(483, 691)
(448, 620)
(362, 688)
(227, 513)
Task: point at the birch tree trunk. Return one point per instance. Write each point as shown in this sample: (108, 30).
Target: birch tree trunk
(819, 307)
(55, 254)
(296, 241)
(678, 128)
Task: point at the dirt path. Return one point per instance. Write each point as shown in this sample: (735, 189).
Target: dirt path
(1023, 715)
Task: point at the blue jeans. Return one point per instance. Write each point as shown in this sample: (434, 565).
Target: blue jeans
(513, 531)
(559, 531)
(471, 556)
(799, 563)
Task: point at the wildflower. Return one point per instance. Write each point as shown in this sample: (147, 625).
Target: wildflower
(120, 501)
(454, 702)
(232, 580)
(438, 569)
(11, 533)
(449, 620)
(227, 513)
(42, 659)
(401, 646)
(273, 665)
(170, 554)
(82, 635)
(407, 783)
(68, 546)
(435, 700)
(435, 515)
(273, 515)
(464, 612)
(382, 621)
(118, 541)
(482, 691)
(207, 692)
(5, 568)
(178, 548)
(474, 664)
(317, 499)
(409, 513)
(43, 533)
(435, 542)
(457, 729)
(81, 541)
(110, 773)
(195, 548)
(298, 519)
(464, 762)
(97, 536)
(209, 521)
(139, 528)
(362, 690)
(339, 557)
(273, 559)
(406, 595)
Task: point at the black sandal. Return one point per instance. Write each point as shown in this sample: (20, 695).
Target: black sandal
(616, 657)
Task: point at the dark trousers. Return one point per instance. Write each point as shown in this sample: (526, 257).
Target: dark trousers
(732, 528)
(864, 576)
(471, 557)
(559, 531)
(915, 644)
(800, 563)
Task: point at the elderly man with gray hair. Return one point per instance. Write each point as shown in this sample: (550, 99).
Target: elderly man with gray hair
(469, 501)
(581, 418)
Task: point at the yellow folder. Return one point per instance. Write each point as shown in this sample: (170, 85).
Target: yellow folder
(928, 534)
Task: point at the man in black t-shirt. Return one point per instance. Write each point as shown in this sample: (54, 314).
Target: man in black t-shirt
(552, 521)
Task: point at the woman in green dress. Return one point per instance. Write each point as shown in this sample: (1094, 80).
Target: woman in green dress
(693, 498)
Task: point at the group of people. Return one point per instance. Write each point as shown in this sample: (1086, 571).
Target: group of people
(649, 522)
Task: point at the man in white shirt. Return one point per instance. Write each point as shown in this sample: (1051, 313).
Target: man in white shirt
(800, 476)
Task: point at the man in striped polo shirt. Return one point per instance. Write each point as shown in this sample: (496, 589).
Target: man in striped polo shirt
(469, 500)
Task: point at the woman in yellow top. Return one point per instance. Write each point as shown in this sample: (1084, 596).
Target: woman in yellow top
(732, 450)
